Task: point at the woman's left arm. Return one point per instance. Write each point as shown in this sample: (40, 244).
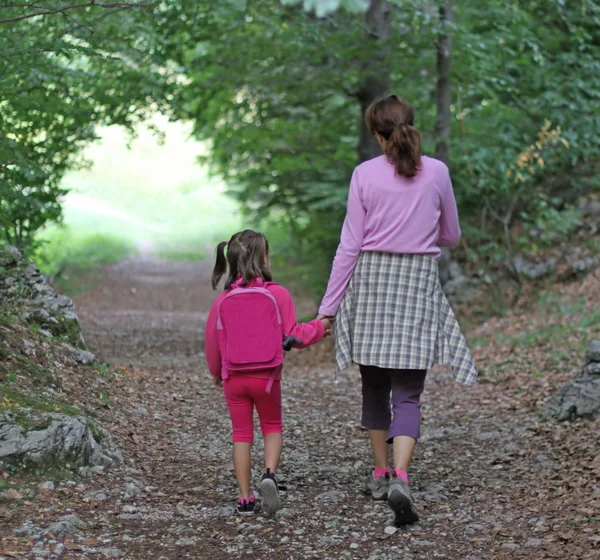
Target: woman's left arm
(348, 250)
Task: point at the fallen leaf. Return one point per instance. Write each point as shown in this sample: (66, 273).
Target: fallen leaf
(70, 545)
(91, 542)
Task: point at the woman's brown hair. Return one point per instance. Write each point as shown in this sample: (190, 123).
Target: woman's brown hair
(247, 259)
(393, 118)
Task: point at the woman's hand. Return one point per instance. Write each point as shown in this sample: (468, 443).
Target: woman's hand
(327, 323)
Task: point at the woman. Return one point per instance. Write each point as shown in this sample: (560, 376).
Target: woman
(391, 315)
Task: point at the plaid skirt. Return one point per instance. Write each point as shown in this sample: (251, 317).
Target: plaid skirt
(395, 315)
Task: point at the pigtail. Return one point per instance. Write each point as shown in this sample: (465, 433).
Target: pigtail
(220, 264)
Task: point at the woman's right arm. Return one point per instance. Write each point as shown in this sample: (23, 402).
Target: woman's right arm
(449, 227)
(348, 250)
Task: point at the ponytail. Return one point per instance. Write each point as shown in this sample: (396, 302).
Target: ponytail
(220, 264)
(403, 149)
(393, 118)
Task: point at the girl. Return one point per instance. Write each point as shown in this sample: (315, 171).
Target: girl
(391, 315)
(245, 331)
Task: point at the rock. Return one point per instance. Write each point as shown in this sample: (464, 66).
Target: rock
(353, 545)
(590, 208)
(131, 490)
(285, 512)
(63, 436)
(331, 496)
(223, 511)
(66, 525)
(47, 487)
(285, 540)
(510, 546)
(331, 541)
(10, 256)
(455, 284)
(28, 530)
(28, 347)
(390, 530)
(22, 283)
(186, 541)
(129, 509)
(80, 356)
(533, 543)
(592, 353)
(110, 552)
(579, 268)
(417, 542)
(581, 398)
(532, 270)
(100, 496)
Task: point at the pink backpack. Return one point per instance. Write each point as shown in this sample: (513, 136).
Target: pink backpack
(250, 331)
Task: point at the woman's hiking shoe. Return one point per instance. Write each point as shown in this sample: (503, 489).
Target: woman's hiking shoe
(377, 487)
(401, 501)
(269, 490)
(246, 506)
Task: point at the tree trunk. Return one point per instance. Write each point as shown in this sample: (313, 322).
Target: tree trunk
(444, 86)
(375, 79)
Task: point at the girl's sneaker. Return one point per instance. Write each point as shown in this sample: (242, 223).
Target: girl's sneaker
(401, 501)
(377, 487)
(269, 490)
(246, 506)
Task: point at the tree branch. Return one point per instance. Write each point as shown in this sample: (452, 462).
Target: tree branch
(64, 9)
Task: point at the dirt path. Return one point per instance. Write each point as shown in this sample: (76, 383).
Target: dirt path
(487, 475)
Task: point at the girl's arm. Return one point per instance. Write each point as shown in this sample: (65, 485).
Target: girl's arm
(309, 333)
(211, 343)
(348, 250)
(449, 227)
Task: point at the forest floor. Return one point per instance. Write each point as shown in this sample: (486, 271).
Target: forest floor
(491, 477)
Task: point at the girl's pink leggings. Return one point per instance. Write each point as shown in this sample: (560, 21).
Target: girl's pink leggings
(242, 394)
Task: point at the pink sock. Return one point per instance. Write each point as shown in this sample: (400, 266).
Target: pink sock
(403, 475)
(249, 499)
(380, 472)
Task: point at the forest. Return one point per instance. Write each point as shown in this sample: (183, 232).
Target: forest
(135, 135)
(505, 92)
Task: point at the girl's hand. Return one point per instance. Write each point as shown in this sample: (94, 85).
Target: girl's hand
(327, 323)
(218, 381)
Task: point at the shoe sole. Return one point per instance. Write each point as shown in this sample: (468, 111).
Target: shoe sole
(378, 496)
(245, 513)
(403, 509)
(270, 496)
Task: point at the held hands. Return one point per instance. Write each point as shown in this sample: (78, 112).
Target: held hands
(327, 323)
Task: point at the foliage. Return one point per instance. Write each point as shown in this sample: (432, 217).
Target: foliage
(61, 75)
(275, 85)
(324, 7)
(524, 65)
(283, 117)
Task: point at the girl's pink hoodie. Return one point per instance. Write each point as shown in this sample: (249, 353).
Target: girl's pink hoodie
(309, 333)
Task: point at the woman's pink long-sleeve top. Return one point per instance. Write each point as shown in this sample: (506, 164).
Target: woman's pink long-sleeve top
(393, 214)
(309, 333)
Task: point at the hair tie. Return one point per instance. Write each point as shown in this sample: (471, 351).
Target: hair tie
(226, 243)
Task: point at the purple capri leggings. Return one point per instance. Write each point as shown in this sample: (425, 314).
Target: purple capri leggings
(405, 386)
